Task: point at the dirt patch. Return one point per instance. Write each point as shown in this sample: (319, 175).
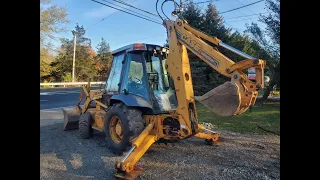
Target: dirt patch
(63, 155)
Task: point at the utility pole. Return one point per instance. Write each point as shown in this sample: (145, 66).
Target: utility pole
(74, 54)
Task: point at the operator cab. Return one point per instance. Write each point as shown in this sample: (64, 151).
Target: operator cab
(139, 78)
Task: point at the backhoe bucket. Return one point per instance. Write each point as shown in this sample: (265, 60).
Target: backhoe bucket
(223, 100)
(71, 119)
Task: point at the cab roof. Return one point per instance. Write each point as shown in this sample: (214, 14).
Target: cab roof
(138, 46)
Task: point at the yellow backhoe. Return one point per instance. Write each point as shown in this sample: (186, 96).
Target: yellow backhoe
(149, 95)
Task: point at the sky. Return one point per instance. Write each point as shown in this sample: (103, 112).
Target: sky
(120, 29)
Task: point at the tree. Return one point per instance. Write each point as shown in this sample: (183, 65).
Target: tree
(103, 60)
(269, 39)
(84, 59)
(166, 44)
(245, 44)
(51, 19)
(212, 24)
(192, 14)
(45, 59)
(209, 22)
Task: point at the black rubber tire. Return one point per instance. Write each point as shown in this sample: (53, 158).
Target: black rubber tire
(85, 128)
(132, 124)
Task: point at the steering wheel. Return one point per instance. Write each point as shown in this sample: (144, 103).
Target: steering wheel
(138, 80)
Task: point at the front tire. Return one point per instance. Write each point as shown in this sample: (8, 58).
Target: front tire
(85, 122)
(121, 125)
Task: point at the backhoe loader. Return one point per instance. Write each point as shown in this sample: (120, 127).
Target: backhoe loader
(149, 95)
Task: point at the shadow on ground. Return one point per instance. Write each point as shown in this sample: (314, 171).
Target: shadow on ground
(64, 155)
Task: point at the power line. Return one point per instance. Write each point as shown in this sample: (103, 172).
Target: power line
(205, 2)
(202, 2)
(243, 4)
(129, 10)
(98, 22)
(140, 40)
(241, 7)
(105, 18)
(234, 27)
(109, 16)
(246, 15)
(126, 12)
(189, 2)
(242, 14)
(244, 19)
(216, 0)
(121, 2)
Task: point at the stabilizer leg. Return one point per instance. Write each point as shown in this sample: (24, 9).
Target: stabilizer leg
(126, 169)
(210, 137)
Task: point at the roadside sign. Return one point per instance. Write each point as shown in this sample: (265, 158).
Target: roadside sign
(252, 76)
(252, 73)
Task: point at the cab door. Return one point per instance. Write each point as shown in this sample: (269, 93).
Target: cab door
(135, 80)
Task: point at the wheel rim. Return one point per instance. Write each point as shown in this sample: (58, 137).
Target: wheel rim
(115, 129)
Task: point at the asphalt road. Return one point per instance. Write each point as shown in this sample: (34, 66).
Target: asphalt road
(59, 97)
(65, 97)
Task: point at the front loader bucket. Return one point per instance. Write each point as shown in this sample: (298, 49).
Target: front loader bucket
(223, 100)
(71, 119)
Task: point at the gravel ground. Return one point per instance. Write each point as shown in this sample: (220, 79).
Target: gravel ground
(63, 155)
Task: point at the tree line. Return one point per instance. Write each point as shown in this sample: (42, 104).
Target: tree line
(257, 42)
(56, 64)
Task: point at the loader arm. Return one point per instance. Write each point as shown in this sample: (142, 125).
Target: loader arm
(231, 98)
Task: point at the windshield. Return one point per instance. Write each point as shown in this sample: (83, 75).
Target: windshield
(136, 80)
(160, 82)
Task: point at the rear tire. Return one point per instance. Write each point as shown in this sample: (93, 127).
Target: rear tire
(85, 122)
(132, 124)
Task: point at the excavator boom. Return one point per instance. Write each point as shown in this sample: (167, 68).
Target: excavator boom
(230, 98)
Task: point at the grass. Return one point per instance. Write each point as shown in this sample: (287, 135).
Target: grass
(267, 116)
(272, 93)
(276, 93)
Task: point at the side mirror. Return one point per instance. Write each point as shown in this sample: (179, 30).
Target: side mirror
(125, 91)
